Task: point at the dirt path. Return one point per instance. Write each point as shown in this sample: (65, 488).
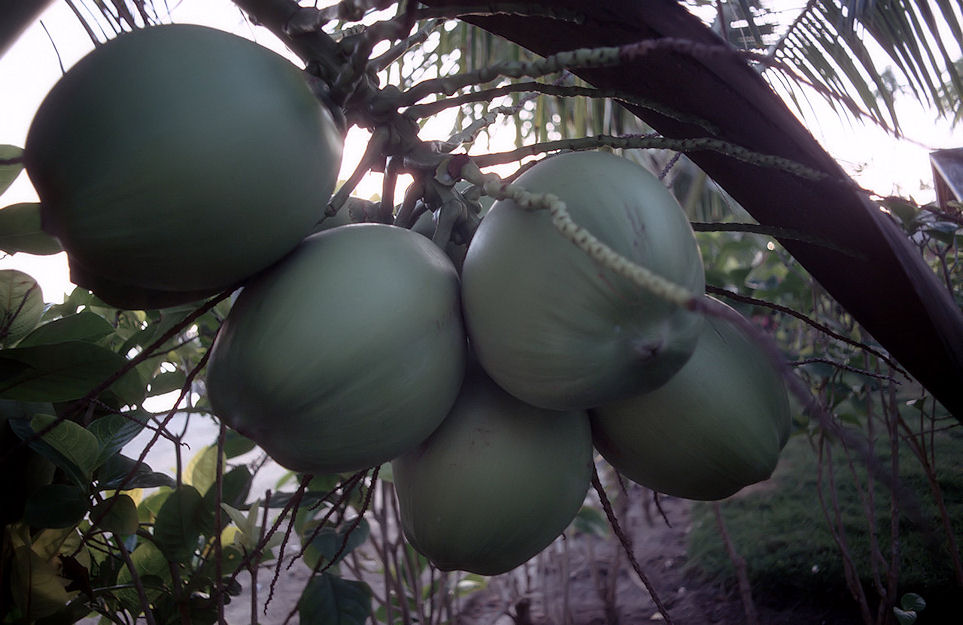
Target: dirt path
(588, 580)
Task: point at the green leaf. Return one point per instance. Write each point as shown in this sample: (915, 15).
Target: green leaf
(246, 523)
(67, 444)
(331, 542)
(83, 326)
(202, 469)
(591, 521)
(167, 381)
(117, 514)
(20, 231)
(38, 589)
(56, 506)
(21, 305)
(150, 506)
(904, 617)
(151, 565)
(9, 173)
(64, 372)
(943, 231)
(912, 601)
(112, 475)
(177, 527)
(330, 600)
(114, 431)
(234, 490)
(237, 444)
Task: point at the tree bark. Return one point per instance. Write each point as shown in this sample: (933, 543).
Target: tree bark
(882, 281)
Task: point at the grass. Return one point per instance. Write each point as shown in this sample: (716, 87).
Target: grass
(781, 531)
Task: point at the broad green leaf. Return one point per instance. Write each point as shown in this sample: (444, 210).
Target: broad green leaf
(117, 514)
(82, 326)
(75, 301)
(237, 444)
(202, 469)
(9, 173)
(56, 506)
(167, 381)
(331, 600)
(20, 231)
(912, 601)
(121, 472)
(234, 490)
(177, 527)
(64, 372)
(904, 617)
(153, 570)
(66, 444)
(943, 231)
(35, 583)
(331, 543)
(148, 508)
(591, 521)
(114, 431)
(21, 305)
(168, 319)
(246, 522)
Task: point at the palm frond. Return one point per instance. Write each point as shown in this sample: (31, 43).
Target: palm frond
(830, 44)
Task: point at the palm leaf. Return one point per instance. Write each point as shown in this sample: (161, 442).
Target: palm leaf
(826, 45)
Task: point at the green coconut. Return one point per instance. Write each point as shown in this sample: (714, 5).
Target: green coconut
(181, 159)
(552, 326)
(131, 297)
(347, 353)
(496, 483)
(717, 426)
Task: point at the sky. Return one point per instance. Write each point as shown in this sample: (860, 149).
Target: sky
(31, 66)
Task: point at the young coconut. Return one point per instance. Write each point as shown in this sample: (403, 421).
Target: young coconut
(345, 354)
(717, 426)
(550, 324)
(180, 159)
(496, 483)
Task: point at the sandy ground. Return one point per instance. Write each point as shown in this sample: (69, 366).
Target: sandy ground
(583, 579)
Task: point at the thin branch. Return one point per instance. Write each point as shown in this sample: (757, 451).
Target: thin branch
(135, 579)
(627, 545)
(773, 231)
(844, 366)
(742, 573)
(487, 95)
(745, 299)
(631, 142)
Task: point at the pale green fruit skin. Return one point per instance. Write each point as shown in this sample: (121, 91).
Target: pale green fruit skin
(547, 322)
(717, 426)
(496, 483)
(181, 158)
(345, 354)
(131, 297)
(21, 305)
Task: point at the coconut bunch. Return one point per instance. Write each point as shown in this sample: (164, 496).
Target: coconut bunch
(179, 161)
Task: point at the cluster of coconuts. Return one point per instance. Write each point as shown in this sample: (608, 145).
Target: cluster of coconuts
(179, 161)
